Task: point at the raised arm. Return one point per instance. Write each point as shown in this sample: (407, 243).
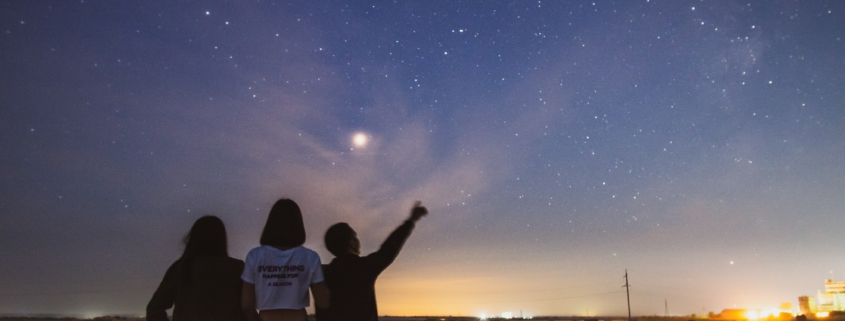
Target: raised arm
(393, 245)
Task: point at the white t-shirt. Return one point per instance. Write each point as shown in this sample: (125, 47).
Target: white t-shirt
(282, 278)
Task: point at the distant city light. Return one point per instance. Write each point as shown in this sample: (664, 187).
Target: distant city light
(507, 315)
(752, 315)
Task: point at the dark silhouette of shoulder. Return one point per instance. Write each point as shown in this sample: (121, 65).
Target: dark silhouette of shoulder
(352, 278)
(211, 293)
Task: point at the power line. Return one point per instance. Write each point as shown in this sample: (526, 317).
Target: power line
(628, 293)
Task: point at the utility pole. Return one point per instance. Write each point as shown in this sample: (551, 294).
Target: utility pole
(666, 303)
(628, 293)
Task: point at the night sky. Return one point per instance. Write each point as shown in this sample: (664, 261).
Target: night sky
(697, 144)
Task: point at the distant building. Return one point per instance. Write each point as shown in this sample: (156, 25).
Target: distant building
(834, 286)
(829, 301)
(807, 305)
(833, 298)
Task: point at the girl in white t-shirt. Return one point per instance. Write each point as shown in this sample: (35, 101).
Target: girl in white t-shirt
(278, 274)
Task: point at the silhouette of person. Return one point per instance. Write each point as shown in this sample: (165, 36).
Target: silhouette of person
(351, 278)
(279, 273)
(203, 284)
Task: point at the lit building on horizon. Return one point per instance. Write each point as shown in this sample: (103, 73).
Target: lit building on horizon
(807, 305)
(833, 298)
(834, 286)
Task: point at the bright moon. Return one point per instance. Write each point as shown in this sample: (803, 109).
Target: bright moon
(360, 140)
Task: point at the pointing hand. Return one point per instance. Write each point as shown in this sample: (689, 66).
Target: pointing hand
(418, 212)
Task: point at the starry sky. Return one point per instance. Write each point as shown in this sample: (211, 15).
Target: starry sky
(697, 144)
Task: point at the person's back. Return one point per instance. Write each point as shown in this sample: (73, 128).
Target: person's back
(281, 278)
(351, 278)
(212, 291)
(279, 273)
(205, 283)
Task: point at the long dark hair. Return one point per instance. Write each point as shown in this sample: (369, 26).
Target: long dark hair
(207, 238)
(284, 226)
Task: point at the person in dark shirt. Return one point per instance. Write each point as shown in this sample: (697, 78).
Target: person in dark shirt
(351, 278)
(205, 283)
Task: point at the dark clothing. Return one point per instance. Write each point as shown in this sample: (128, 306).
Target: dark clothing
(212, 293)
(352, 279)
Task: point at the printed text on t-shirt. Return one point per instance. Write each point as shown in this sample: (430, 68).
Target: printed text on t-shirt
(281, 268)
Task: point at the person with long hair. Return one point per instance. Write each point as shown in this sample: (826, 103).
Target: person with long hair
(203, 284)
(279, 273)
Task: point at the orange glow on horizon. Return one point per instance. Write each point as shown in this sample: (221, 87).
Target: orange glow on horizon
(752, 315)
(492, 296)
